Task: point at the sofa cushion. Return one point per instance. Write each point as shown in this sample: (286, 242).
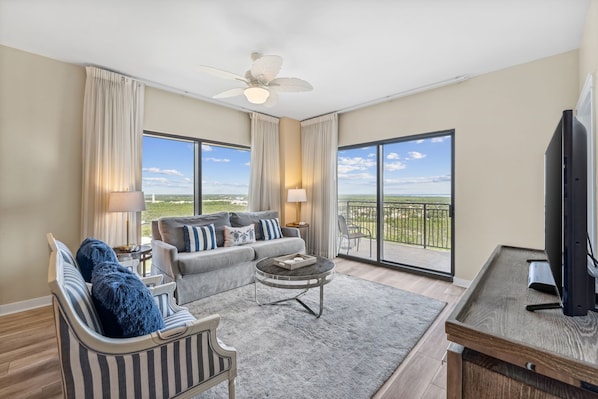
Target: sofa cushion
(282, 246)
(125, 306)
(171, 228)
(238, 219)
(270, 229)
(221, 257)
(91, 253)
(199, 238)
(238, 235)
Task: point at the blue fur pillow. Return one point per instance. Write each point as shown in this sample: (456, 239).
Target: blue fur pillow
(124, 304)
(91, 253)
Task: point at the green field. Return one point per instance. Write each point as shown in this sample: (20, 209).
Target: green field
(405, 216)
(182, 205)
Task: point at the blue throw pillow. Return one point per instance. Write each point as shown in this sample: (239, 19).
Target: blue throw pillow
(199, 238)
(92, 252)
(124, 304)
(270, 229)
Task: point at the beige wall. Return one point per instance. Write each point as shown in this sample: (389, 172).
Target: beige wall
(502, 121)
(41, 112)
(172, 113)
(588, 49)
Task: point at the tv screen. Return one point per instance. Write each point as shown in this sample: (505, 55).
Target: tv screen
(566, 216)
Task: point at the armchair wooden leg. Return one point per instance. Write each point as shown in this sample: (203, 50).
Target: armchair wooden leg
(231, 389)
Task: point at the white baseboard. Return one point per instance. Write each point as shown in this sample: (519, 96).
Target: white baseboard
(25, 305)
(459, 282)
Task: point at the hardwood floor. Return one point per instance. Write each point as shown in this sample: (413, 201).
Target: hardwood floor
(29, 365)
(29, 355)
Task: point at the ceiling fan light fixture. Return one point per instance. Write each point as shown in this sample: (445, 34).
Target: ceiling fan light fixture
(256, 95)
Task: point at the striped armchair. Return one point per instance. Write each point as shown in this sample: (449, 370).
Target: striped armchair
(180, 361)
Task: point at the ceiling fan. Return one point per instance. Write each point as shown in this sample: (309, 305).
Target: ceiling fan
(262, 85)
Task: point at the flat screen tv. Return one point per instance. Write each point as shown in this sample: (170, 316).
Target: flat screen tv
(565, 196)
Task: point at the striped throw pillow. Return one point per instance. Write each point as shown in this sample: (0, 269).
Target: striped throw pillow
(199, 238)
(270, 229)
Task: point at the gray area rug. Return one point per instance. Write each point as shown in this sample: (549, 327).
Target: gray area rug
(365, 332)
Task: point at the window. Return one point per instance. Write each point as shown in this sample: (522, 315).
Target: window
(225, 178)
(184, 176)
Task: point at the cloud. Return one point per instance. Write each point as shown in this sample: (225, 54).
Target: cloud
(394, 166)
(170, 172)
(416, 155)
(393, 155)
(218, 183)
(420, 180)
(217, 159)
(439, 139)
(355, 176)
(206, 148)
(419, 141)
(160, 180)
(164, 185)
(346, 165)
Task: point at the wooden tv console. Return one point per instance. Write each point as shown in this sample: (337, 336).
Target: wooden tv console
(500, 350)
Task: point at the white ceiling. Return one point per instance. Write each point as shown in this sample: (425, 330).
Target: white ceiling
(353, 52)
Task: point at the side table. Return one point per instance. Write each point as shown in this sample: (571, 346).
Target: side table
(304, 231)
(143, 254)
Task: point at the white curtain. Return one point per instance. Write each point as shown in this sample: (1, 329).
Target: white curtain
(319, 145)
(112, 140)
(264, 181)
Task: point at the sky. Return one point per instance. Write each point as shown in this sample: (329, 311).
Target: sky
(415, 167)
(168, 168)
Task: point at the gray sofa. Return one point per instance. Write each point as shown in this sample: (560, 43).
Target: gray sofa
(204, 273)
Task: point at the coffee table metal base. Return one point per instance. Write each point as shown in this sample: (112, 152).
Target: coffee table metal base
(316, 275)
(296, 297)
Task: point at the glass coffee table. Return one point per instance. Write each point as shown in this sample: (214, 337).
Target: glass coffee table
(304, 278)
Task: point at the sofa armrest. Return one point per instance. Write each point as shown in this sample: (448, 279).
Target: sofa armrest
(165, 258)
(290, 232)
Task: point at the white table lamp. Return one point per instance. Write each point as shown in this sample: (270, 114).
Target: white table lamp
(126, 201)
(297, 195)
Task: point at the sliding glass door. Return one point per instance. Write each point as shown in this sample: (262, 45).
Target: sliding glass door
(400, 191)
(417, 187)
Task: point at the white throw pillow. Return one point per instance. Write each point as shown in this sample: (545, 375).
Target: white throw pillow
(238, 235)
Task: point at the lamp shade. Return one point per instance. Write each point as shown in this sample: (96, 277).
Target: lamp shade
(126, 201)
(296, 195)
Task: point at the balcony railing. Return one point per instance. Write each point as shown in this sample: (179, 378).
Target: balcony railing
(415, 223)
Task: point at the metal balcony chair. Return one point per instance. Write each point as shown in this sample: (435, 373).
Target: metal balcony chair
(180, 361)
(352, 232)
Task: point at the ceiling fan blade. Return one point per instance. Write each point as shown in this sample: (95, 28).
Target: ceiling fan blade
(221, 73)
(272, 99)
(230, 93)
(265, 68)
(290, 84)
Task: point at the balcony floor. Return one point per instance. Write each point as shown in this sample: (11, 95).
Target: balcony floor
(429, 258)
